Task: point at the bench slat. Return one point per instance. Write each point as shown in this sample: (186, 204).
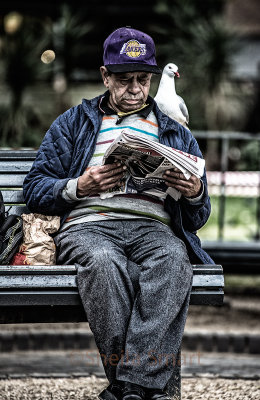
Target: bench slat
(37, 270)
(211, 269)
(13, 196)
(17, 155)
(13, 282)
(16, 168)
(36, 298)
(208, 281)
(209, 298)
(11, 180)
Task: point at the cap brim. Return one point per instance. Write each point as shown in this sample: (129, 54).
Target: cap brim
(133, 67)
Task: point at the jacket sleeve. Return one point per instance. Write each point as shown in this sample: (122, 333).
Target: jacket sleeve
(191, 215)
(49, 173)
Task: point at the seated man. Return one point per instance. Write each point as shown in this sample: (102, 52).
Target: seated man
(133, 251)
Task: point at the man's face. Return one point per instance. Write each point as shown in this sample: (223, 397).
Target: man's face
(128, 90)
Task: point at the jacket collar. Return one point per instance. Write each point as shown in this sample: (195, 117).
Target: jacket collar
(91, 109)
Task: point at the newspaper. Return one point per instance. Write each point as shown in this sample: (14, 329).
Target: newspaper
(146, 162)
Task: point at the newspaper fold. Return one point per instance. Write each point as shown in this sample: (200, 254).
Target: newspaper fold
(146, 163)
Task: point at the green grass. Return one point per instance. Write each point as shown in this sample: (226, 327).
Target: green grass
(240, 223)
(242, 281)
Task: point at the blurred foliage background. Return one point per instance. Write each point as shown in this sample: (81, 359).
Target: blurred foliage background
(215, 43)
(198, 36)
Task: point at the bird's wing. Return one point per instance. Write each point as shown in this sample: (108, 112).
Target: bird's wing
(183, 108)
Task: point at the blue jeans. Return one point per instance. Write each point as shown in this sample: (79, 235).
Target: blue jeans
(134, 279)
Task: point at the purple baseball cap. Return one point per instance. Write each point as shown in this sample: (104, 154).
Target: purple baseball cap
(129, 50)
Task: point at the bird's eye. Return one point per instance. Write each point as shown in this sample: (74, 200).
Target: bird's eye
(170, 67)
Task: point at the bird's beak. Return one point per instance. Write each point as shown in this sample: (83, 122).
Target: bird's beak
(177, 74)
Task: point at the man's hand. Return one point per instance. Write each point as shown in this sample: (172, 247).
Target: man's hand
(188, 188)
(99, 179)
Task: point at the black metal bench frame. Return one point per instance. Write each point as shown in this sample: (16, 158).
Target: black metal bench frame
(50, 293)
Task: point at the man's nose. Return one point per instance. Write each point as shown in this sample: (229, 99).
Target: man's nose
(134, 87)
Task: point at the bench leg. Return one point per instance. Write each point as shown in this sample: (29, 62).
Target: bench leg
(173, 387)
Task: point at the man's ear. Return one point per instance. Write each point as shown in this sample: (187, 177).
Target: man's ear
(104, 74)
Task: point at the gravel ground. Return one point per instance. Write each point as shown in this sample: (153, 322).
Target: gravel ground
(88, 388)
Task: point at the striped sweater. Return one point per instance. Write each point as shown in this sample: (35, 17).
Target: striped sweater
(130, 206)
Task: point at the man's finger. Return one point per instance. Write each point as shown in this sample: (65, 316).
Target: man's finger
(112, 179)
(175, 179)
(175, 174)
(113, 171)
(110, 167)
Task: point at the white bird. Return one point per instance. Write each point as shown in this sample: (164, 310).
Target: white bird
(168, 100)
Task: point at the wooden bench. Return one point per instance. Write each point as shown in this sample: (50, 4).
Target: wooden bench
(49, 293)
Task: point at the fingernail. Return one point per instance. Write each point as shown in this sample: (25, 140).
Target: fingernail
(124, 167)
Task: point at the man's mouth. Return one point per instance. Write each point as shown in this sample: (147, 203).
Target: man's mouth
(132, 101)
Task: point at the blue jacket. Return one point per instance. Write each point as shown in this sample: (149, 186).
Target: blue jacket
(67, 149)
